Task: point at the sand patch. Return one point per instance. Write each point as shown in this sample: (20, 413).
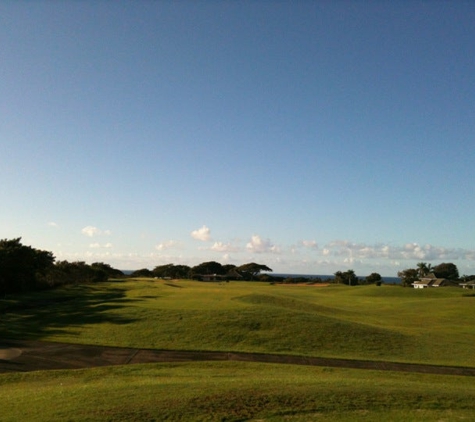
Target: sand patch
(7, 353)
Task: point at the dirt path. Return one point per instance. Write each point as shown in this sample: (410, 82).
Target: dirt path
(24, 356)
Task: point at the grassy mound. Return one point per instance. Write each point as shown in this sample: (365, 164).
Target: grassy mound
(381, 323)
(233, 391)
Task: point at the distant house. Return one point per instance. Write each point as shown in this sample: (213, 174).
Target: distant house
(432, 281)
(468, 285)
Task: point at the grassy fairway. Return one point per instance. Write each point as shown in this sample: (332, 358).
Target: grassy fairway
(374, 323)
(233, 391)
(379, 323)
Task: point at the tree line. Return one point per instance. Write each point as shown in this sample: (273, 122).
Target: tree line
(350, 278)
(24, 268)
(210, 270)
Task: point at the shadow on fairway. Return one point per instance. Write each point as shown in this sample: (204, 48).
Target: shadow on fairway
(35, 316)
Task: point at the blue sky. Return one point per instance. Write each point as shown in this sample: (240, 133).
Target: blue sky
(310, 136)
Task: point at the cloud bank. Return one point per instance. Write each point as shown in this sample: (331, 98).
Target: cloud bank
(409, 251)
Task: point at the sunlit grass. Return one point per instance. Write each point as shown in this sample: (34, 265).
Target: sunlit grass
(365, 322)
(232, 391)
(381, 323)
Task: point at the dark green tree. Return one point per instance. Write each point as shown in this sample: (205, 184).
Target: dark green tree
(111, 272)
(446, 270)
(76, 272)
(408, 276)
(252, 269)
(22, 267)
(373, 278)
(163, 270)
(206, 268)
(423, 269)
(143, 272)
(347, 277)
(181, 271)
(171, 270)
(229, 268)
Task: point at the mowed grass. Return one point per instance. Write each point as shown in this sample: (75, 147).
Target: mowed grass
(381, 323)
(233, 391)
(366, 322)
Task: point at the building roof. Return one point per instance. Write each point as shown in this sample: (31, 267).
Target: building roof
(431, 281)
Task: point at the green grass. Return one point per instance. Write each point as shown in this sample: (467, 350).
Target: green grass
(365, 322)
(232, 391)
(380, 323)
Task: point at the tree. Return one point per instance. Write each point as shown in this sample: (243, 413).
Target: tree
(373, 278)
(252, 269)
(21, 267)
(111, 272)
(65, 272)
(206, 268)
(143, 272)
(172, 271)
(163, 270)
(229, 268)
(347, 277)
(446, 270)
(408, 276)
(181, 271)
(423, 269)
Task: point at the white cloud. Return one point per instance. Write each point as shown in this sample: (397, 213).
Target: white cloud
(310, 244)
(52, 224)
(224, 247)
(339, 243)
(202, 234)
(259, 245)
(92, 231)
(169, 244)
(98, 245)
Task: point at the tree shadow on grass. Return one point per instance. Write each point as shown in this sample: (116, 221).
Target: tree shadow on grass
(34, 316)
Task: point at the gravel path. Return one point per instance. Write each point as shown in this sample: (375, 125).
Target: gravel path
(25, 356)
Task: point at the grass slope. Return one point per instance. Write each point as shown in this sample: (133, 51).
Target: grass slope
(386, 323)
(233, 391)
(381, 323)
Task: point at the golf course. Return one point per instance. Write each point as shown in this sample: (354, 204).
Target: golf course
(249, 351)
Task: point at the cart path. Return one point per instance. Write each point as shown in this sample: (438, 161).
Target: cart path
(29, 355)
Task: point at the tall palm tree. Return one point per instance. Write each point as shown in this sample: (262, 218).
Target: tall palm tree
(423, 269)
